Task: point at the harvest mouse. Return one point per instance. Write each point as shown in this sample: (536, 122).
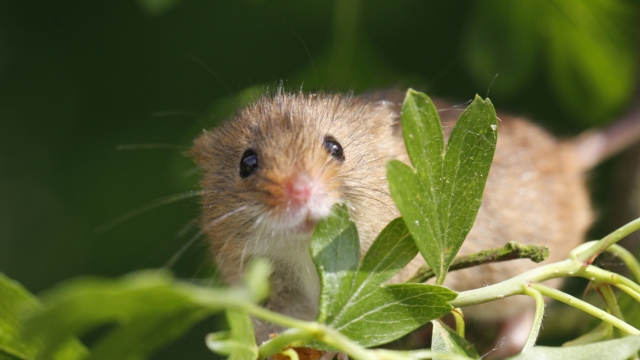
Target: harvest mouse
(273, 170)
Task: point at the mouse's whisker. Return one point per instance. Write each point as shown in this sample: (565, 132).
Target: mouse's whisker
(242, 256)
(196, 170)
(151, 146)
(359, 185)
(363, 161)
(220, 261)
(363, 188)
(364, 196)
(160, 249)
(215, 221)
(193, 223)
(155, 204)
(182, 250)
(201, 233)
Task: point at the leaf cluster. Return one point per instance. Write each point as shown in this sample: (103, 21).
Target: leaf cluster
(438, 198)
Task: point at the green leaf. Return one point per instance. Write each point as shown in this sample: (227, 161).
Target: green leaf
(393, 250)
(335, 249)
(445, 340)
(587, 47)
(439, 201)
(15, 303)
(591, 46)
(423, 137)
(239, 343)
(353, 299)
(466, 166)
(393, 311)
(151, 308)
(138, 339)
(618, 349)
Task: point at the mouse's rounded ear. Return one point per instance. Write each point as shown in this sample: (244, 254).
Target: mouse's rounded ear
(196, 151)
(206, 148)
(390, 101)
(390, 98)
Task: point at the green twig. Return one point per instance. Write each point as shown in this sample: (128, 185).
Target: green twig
(307, 330)
(566, 268)
(610, 300)
(627, 258)
(598, 275)
(511, 251)
(537, 319)
(286, 338)
(291, 353)
(629, 292)
(612, 303)
(587, 256)
(586, 307)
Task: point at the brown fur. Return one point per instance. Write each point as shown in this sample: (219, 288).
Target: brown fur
(287, 131)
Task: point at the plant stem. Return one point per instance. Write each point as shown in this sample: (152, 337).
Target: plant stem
(603, 276)
(627, 258)
(513, 286)
(586, 307)
(565, 268)
(592, 252)
(511, 251)
(306, 330)
(292, 354)
(279, 319)
(459, 318)
(629, 292)
(610, 300)
(537, 320)
(284, 339)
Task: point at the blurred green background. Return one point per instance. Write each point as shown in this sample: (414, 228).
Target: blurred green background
(79, 78)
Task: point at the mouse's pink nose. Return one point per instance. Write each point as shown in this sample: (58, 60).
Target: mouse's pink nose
(299, 188)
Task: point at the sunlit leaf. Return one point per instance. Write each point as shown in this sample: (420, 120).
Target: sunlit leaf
(336, 251)
(15, 303)
(354, 299)
(439, 201)
(149, 309)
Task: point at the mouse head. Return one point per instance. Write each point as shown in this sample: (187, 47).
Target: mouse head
(277, 167)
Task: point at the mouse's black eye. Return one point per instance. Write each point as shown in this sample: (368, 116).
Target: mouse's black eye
(249, 163)
(333, 147)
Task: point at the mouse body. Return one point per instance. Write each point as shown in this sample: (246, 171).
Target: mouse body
(274, 169)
